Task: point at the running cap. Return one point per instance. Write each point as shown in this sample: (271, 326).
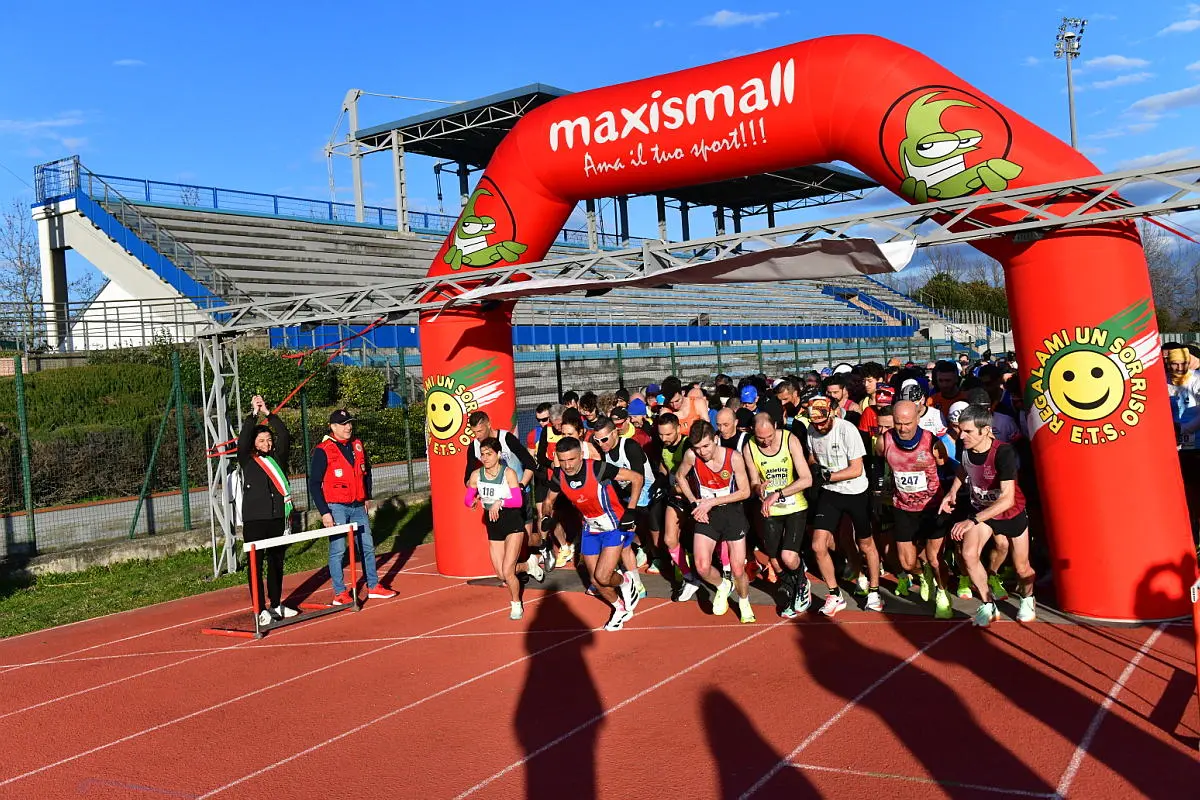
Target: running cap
(825, 373)
(843, 368)
(911, 390)
(340, 417)
(637, 407)
(956, 410)
(819, 409)
(749, 394)
(885, 395)
(653, 389)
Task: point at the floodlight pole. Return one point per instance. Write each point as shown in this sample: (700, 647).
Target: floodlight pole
(1066, 47)
(350, 106)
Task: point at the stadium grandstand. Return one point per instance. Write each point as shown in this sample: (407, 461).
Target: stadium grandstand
(173, 252)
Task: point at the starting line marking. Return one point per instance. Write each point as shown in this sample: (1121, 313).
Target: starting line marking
(244, 696)
(467, 682)
(913, 779)
(846, 709)
(1073, 766)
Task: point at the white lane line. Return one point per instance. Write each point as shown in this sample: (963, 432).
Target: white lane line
(232, 700)
(912, 779)
(204, 654)
(846, 709)
(1073, 766)
(602, 715)
(467, 682)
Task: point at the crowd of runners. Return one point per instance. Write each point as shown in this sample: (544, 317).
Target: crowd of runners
(920, 474)
(908, 469)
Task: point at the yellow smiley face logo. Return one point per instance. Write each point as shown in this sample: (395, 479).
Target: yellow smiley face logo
(444, 414)
(1086, 385)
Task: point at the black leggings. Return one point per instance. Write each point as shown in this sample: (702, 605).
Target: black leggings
(257, 530)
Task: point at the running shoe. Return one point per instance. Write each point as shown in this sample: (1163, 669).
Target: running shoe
(284, 612)
(548, 558)
(687, 590)
(803, 598)
(590, 591)
(265, 618)
(788, 613)
(721, 599)
(565, 554)
(862, 585)
(641, 591)
(745, 610)
(628, 593)
(927, 583)
(534, 568)
(997, 587)
(986, 615)
(964, 587)
(903, 584)
(874, 601)
(942, 608)
(639, 557)
(380, 592)
(833, 604)
(343, 598)
(652, 568)
(1027, 612)
(619, 617)
(516, 610)
(727, 572)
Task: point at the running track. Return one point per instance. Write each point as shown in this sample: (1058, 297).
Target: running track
(437, 694)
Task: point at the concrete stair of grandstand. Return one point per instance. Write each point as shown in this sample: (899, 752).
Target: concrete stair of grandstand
(887, 294)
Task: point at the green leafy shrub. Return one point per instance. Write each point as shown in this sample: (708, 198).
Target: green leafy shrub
(360, 388)
(116, 394)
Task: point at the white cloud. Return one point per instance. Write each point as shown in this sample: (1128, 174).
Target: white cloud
(659, 23)
(1116, 62)
(730, 19)
(128, 62)
(1094, 151)
(1183, 26)
(1167, 101)
(1195, 65)
(40, 127)
(1031, 61)
(1123, 80)
(1156, 159)
(1124, 130)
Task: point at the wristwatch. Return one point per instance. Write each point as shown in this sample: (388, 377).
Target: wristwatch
(973, 519)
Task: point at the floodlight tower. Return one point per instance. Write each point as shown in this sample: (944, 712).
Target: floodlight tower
(1066, 46)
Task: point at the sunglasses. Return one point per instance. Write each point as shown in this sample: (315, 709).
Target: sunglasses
(542, 420)
(602, 439)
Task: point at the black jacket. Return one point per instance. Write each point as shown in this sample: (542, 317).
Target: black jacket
(260, 499)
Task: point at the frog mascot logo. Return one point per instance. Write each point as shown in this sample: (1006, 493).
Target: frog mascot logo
(944, 143)
(450, 399)
(486, 233)
(1089, 385)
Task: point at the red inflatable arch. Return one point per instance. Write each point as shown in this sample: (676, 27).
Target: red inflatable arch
(1081, 305)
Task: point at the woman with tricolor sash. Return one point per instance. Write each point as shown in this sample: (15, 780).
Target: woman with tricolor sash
(263, 448)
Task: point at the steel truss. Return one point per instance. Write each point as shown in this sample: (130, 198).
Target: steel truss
(1170, 189)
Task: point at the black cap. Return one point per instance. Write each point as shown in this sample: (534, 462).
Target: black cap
(340, 417)
(619, 414)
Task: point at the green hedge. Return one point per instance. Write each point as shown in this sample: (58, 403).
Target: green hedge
(118, 395)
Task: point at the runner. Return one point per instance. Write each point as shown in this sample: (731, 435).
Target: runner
(947, 382)
(844, 407)
(495, 488)
(542, 416)
(779, 475)
(837, 452)
(588, 486)
(913, 456)
(515, 457)
(547, 443)
(720, 478)
(667, 505)
(628, 455)
(1183, 387)
(989, 468)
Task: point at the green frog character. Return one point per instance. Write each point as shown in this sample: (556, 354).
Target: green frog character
(471, 239)
(934, 159)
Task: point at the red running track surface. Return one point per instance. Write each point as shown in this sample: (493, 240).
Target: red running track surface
(436, 693)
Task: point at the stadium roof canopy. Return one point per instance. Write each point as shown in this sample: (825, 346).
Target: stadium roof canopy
(469, 133)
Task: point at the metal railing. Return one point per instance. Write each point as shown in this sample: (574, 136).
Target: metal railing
(66, 177)
(101, 324)
(54, 178)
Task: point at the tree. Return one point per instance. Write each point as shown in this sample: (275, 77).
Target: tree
(944, 290)
(1174, 264)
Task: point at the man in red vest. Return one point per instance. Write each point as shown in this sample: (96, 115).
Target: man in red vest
(339, 486)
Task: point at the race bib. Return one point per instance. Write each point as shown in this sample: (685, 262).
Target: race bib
(982, 499)
(911, 482)
(782, 502)
(598, 524)
(1187, 441)
(489, 493)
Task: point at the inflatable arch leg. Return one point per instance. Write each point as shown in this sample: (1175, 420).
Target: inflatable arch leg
(1081, 304)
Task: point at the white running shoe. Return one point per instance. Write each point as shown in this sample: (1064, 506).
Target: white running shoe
(720, 603)
(639, 558)
(986, 615)
(285, 612)
(833, 604)
(535, 569)
(265, 619)
(1027, 612)
(687, 591)
(747, 611)
(548, 558)
(516, 609)
(874, 601)
(803, 598)
(619, 617)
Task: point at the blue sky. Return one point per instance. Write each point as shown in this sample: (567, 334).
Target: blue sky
(245, 95)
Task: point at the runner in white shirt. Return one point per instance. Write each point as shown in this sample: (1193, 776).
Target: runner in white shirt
(1183, 386)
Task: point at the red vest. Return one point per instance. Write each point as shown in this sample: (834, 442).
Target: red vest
(343, 482)
(715, 484)
(597, 501)
(985, 484)
(914, 472)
